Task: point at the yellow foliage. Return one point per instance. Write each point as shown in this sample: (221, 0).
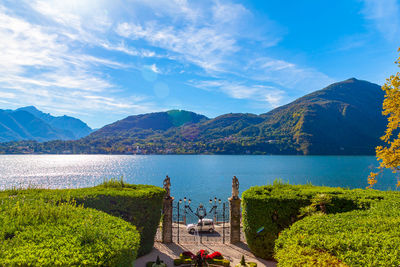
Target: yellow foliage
(389, 155)
(372, 179)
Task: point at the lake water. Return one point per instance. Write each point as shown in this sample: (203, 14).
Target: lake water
(198, 177)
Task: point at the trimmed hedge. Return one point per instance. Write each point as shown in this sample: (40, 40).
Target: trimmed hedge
(278, 206)
(186, 260)
(39, 233)
(356, 238)
(218, 262)
(139, 205)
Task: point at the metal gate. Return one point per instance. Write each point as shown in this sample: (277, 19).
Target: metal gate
(195, 222)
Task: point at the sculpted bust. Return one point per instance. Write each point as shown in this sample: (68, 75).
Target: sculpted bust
(167, 185)
(235, 188)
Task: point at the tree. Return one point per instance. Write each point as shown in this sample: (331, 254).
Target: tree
(389, 155)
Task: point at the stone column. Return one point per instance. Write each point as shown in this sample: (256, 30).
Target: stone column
(167, 220)
(235, 217)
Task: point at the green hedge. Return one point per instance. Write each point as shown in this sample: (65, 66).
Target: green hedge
(188, 261)
(356, 238)
(278, 206)
(39, 233)
(138, 204)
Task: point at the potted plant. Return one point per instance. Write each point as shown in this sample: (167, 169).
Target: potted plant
(243, 263)
(158, 263)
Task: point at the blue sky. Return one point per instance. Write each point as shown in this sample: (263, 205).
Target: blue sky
(102, 60)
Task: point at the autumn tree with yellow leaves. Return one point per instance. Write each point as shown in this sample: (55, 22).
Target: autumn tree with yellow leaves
(389, 155)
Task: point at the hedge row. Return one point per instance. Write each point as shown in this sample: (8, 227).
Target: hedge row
(357, 238)
(39, 233)
(139, 205)
(268, 210)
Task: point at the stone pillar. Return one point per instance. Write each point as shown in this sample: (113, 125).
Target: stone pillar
(167, 220)
(235, 217)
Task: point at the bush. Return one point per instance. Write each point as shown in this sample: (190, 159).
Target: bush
(219, 262)
(138, 204)
(39, 233)
(178, 262)
(306, 256)
(276, 207)
(186, 259)
(157, 263)
(356, 238)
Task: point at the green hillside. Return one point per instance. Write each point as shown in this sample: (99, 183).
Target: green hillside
(342, 119)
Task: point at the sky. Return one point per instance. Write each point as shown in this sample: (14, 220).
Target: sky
(101, 61)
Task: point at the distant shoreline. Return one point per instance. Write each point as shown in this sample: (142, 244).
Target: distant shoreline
(186, 154)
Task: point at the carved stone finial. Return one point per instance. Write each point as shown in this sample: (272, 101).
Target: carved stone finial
(167, 187)
(235, 188)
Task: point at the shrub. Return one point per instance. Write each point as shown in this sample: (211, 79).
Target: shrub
(219, 262)
(39, 233)
(278, 206)
(184, 258)
(243, 263)
(306, 256)
(357, 238)
(157, 263)
(138, 204)
(178, 262)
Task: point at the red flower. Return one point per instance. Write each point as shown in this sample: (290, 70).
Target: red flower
(215, 255)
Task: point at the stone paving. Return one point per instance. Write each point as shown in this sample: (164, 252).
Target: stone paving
(169, 252)
(215, 237)
(191, 242)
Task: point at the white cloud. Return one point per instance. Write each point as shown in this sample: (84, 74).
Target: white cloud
(228, 12)
(205, 47)
(27, 49)
(257, 92)
(82, 16)
(45, 66)
(286, 74)
(154, 68)
(207, 34)
(58, 54)
(122, 47)
(175, 9)
(215, 38)
(385, 15)
(7, 95)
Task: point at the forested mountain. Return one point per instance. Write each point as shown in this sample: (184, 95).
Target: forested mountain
(28, 123)
(148, 124)
(22, 125)
(343, 118)
(74, 127)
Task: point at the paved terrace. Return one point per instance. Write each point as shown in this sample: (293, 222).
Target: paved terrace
(169, 252)
(210, 241)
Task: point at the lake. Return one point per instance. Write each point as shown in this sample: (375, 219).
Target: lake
(198, 177)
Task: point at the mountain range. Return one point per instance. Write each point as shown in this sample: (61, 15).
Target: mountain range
(28, 123)
(343, 118)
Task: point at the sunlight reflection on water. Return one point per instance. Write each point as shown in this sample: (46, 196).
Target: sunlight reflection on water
(196, 176)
